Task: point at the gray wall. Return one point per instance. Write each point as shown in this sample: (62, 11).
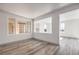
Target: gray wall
(4, 36)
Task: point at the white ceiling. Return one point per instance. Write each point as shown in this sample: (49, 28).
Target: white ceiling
(31, 10)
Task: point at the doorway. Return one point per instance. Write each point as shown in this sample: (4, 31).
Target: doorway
(69, 33)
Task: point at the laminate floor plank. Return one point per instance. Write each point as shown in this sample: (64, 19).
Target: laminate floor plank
(28, 47)
(14, 46)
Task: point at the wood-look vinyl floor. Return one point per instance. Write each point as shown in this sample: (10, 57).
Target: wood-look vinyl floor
(68, 47)
(28, 47)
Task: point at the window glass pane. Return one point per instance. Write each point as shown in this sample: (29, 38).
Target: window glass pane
(28, 26)
(62, 27)
(21, 27)
(11, 25)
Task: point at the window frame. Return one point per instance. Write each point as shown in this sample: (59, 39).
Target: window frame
(15, 26)
(39, 21)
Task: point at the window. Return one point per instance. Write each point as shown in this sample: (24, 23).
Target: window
(21, 27)
(18, 26)
(28, 26)
(11, 25)
(43, 25)
(62, 27)
(36, 25)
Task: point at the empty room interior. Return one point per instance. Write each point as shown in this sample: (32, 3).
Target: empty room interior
(39, 29)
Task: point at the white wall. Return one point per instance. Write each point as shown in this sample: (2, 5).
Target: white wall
(4, 36)
(71, 28)
(51, 37)
(71, 20)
